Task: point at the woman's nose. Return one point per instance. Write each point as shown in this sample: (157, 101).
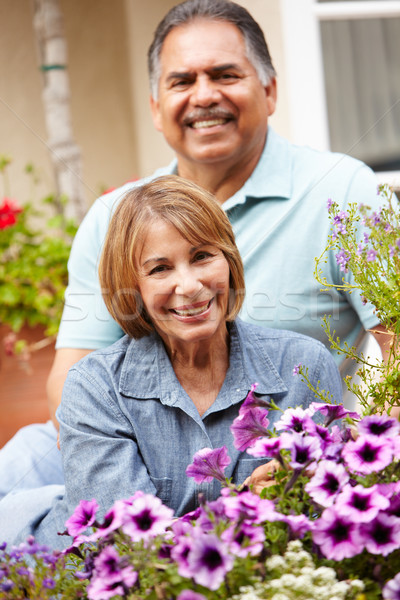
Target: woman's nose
(187, 283)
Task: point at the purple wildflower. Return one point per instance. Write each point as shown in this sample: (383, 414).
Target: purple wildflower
(366, 238)
(379, 425)
(303, 449)
(342, 259)
(382, 535)
(209, 464)
(296, 369)
(329, 203)
(327, 482)
(209, 560)
(371, 255)
(147, 517)
(6, 585)
(361, 504)
(248, 427)
(49, 583)
(367, 454)
(337, 535)
(83, 517)
(266, 446)
(391, 590)
(295, 419)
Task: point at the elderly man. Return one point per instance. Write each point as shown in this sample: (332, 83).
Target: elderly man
(213, 89)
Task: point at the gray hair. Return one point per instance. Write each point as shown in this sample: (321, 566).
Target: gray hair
(218, 10)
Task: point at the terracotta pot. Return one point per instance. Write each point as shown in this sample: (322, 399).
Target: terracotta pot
(22, 392)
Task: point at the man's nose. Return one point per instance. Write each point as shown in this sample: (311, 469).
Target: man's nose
(205, 92)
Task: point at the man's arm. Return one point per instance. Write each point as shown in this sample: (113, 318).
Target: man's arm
(64, 359)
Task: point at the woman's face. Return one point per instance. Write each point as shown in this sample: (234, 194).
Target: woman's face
(184, 288)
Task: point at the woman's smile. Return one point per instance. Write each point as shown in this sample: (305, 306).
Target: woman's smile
(199, 309)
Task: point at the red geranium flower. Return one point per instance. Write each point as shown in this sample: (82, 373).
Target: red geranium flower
(8, 211)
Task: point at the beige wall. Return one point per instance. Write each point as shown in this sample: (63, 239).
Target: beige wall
(107, 46)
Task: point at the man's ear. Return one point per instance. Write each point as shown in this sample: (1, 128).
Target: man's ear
(155, 113)
(271, 93)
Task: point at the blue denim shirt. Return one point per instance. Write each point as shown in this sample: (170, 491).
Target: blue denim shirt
(127, 424)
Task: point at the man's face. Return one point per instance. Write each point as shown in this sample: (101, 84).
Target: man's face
(211, 106)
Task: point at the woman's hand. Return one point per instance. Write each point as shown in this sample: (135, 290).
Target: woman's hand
(262, 477)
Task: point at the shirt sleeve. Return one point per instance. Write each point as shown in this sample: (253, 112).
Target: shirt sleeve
(85, 322)
(97, 442)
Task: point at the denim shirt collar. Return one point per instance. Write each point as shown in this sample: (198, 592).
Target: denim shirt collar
(147, 371)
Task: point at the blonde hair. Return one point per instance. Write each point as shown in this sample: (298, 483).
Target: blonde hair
(199, 219)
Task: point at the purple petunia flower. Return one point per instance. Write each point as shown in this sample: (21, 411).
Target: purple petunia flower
(180, 554)
(265, 446)
(146, 518)
(209, 560)
(252, 401)
(332, 412)
(379, 425)
(303, 449)
(382, 535)
(244, 539)
(299, 524)
(361, 504)
(190, 595)
(83, 517)
(337, 535)
(368, 454)
(250, 507)
(327, 482)
(209, 464)
(295, 419)
(248, 427)
(391, 590)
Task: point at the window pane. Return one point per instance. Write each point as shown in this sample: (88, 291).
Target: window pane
(362, 79)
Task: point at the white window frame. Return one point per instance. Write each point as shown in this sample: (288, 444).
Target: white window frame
(304, 66)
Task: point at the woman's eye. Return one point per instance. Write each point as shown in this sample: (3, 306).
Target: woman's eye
(158, 269)
(202, 255)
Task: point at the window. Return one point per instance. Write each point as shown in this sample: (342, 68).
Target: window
(349, 55)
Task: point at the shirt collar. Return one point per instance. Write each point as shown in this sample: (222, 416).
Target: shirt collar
(147, 372)
(272, 177)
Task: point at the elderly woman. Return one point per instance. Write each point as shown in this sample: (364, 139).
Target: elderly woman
(134, 414)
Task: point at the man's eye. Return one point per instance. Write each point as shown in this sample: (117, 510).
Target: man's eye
(227, 76)
(180, 83)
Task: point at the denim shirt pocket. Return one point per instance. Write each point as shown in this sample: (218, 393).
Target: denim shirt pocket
(163, 487)
(245, 467)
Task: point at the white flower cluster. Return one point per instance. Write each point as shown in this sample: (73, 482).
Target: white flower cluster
(295, 577)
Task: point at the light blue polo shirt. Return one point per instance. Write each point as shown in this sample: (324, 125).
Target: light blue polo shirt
(281, 224)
